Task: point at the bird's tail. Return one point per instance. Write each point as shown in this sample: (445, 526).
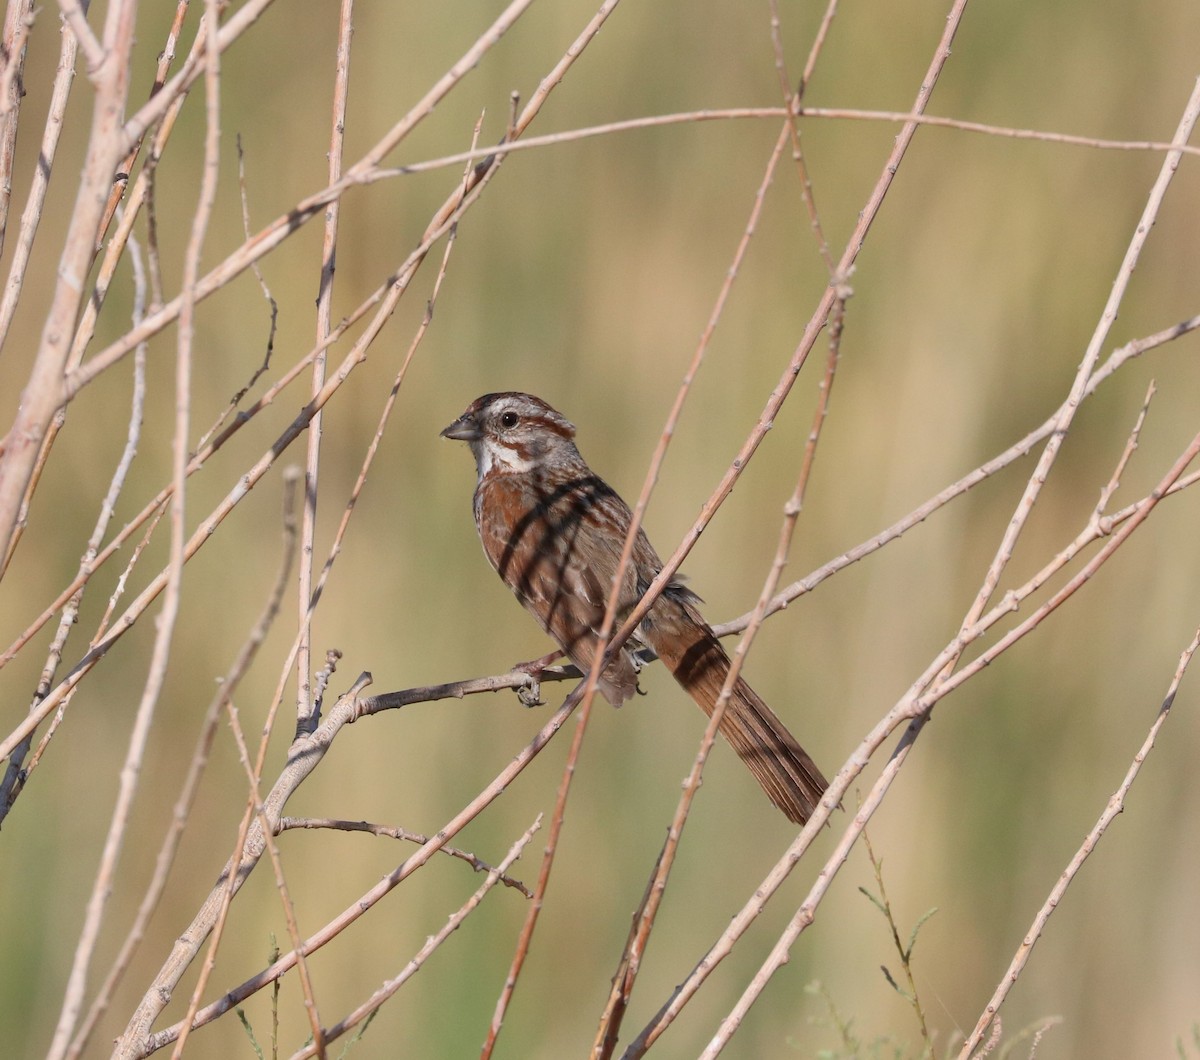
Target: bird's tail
(691, 651)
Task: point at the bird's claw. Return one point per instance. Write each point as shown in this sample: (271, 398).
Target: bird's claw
(530, 694)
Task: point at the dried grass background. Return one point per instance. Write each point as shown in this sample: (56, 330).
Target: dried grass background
(586, 272)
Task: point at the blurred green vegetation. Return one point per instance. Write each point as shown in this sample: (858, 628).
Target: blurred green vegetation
(586, 274)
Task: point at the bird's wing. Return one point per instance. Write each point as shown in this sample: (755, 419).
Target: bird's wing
(560, 568)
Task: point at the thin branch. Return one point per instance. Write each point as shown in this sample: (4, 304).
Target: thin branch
(1116, 804)
(691, 117)
(35, 202)
(269, 826)
(364, 171)
(165, 58)
(250, 478)
(18, 21)
(621, 990)
(1091, 356)
(791, 514)
(453, 922)
(915, 708)
(403, 834)
(196, 768)
(1021, 448)
(587, 691)
(156, 676)
(815, 324)
(75, 16)
(42, 393)
(783, 388)
(791, 103)
(15, 776)
(304, 756)
(306, 719)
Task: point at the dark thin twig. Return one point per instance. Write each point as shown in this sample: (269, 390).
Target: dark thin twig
(403, 834)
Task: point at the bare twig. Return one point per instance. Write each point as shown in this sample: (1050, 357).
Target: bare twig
(605, 639)
(249, 479)
(1066, 414)
(392, 832)
(171, 601)
(690, 117)
(15, 777)
(18, 21)
(791, 102)
(815, 324)
(621, 990)
(1115, 805)
(41, 397)
(588, 689)
(914, 708)
(1021, 448)
(196, 769)
(269, 826)
(364, 171)
(165, 58)
(453, 922)
(791, 513)
(304, 756)
(314, 593)
(75, 16)
(305, 717)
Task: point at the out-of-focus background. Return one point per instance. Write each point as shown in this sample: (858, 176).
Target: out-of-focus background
(586, 274)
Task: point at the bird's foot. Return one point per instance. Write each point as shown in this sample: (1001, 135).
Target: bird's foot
(530, 694)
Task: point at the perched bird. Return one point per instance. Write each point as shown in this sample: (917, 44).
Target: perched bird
(554, 531)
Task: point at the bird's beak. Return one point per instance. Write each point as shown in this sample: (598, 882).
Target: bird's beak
(463, 429)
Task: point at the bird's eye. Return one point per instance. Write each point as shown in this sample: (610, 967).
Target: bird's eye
(509, 420)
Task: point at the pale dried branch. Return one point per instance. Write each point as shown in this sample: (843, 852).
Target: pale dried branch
(690, 117)
(305, 716)
(621, 990)
(587, 691)
(1115, 805)
(195, 772)
(141, 195)
(18, 21)
(791, 103)
(19, 17)
(75, 16)
(364, 171)
(269, 828)
(453, 922)
(307, 721)
(607, 644)
(1021, 448)
(1087, 365)
(812, 329)
(914, 708)
(169, 95)
(631, 961)
(160, 656)
(41, 397)
(244, 484)
(304, 756)
(121, 179)
(15, 776)
(442, 221)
